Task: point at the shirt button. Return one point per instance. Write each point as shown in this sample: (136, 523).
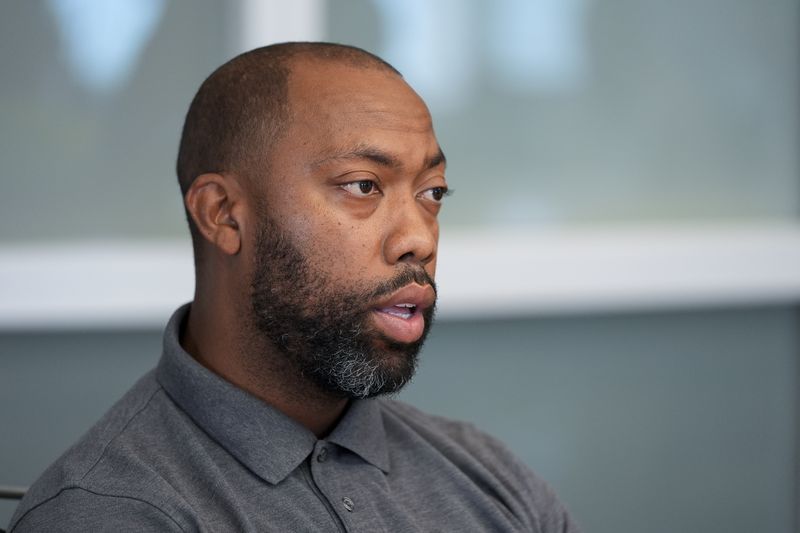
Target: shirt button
(348, 503)
(322, 456)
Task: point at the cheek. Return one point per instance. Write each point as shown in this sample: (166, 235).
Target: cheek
(337, 247)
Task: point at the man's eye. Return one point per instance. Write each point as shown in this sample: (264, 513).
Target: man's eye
(361, 188)
(436, 194)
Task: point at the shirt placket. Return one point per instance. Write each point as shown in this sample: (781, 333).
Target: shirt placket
(322, 465)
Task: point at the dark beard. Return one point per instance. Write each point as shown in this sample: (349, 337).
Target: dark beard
(325, 332)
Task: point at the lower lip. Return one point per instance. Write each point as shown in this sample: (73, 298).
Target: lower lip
(400, 329)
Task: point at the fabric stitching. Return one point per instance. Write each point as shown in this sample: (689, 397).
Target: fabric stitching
(75, 487)
(119, 433)
(94, 465)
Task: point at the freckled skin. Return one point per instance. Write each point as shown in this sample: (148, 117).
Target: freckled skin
(350, 238)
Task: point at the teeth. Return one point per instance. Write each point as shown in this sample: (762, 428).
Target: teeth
(404, 310)
(397, 313)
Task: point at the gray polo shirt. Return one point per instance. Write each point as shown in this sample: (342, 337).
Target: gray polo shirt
(184, 450)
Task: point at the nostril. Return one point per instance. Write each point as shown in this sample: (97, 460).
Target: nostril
(408, 256)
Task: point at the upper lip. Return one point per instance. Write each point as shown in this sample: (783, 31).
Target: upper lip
(421, 296)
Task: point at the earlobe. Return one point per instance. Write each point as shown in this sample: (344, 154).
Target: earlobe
(212, 203)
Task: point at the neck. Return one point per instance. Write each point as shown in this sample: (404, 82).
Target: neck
(214, 336)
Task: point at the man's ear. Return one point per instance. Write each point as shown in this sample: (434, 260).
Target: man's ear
(215, 203)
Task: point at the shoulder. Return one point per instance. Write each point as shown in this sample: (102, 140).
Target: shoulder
(104, 475)
(486, 460)
(447, 427)
(79, 509)
(447, 434)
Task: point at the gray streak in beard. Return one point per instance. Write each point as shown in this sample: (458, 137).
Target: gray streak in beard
(321, 330)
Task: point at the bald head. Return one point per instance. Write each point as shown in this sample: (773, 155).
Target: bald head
(242, 108)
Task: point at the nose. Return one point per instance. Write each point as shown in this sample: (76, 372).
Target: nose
(412, 234)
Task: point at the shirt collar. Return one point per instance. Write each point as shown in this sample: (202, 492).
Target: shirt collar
(361, 431)
(261, 437)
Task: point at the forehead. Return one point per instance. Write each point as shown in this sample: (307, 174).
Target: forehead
(338, 99)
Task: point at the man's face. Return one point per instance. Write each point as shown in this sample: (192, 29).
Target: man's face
(345, 246)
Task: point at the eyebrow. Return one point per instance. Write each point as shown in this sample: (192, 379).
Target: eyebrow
(378, 156)
(435, 160)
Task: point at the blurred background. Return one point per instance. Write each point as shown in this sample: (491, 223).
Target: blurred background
(620, 264)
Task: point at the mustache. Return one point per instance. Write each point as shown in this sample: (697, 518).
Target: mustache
(403, 278)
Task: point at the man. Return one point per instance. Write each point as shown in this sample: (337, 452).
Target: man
(312, 180)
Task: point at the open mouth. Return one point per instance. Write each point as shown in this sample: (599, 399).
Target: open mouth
(404, 311)
(400, 316)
